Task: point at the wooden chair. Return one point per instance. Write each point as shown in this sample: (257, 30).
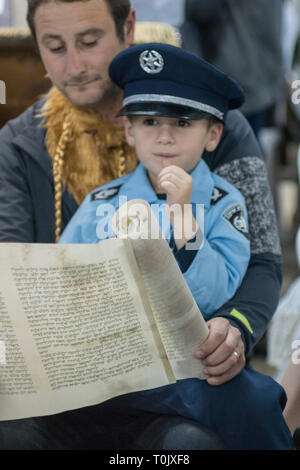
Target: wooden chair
(22, 72)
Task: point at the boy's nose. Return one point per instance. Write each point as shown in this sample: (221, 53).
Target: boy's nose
(165, 135)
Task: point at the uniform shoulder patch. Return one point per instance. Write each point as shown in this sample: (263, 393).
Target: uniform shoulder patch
(105, 193)
(236, 217)
(217, 195)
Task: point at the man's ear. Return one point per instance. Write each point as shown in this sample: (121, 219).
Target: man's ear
(214, 136)
(128, 131)
(129, 26)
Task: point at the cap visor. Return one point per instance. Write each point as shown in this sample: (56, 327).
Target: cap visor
(163, 110)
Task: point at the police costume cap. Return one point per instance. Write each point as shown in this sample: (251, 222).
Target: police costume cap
(165, 80)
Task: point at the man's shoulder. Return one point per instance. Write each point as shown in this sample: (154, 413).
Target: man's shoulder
(16, 126)
(238, 141)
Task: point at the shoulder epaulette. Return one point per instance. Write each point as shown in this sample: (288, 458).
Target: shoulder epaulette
(217, 195)
(105, 193)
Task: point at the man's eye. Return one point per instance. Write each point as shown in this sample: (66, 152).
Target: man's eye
(183, 123)
(89, 44)
(57, 49)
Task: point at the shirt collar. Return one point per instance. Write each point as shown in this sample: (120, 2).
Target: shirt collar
(139, 186)
(203, 184)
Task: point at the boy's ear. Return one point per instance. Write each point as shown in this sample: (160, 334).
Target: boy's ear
(128, 131)
(214, 136)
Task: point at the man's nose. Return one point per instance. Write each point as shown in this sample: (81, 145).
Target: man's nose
(165, 134)
(75, 64)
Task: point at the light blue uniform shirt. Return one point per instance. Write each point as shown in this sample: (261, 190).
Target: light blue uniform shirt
(220, 263)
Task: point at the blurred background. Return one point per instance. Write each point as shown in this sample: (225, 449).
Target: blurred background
(268, 42)
(13, 13)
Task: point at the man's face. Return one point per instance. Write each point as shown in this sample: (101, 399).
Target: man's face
(77, 42)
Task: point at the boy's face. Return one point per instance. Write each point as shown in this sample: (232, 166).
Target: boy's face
(163, 141)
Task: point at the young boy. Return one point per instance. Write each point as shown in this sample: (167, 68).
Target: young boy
(175, 105)
(170, 132)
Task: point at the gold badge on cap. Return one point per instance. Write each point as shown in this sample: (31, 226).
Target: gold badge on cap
(151, 61)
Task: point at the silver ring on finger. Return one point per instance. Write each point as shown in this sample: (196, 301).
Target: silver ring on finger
(236, 354)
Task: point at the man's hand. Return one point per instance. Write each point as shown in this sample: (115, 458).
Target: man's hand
(222, 353)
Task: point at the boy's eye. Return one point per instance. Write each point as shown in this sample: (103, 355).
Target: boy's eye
(183, 123)
(150, 122)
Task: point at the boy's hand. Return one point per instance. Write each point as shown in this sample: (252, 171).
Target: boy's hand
(177, 184)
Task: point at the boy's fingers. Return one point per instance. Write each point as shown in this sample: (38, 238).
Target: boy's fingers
(168, 186)
(170, 177)
(179, 180)
(167, 183)
(173, 169)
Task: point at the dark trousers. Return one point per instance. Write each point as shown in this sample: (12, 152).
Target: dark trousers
(245, 412)
(102, 427)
